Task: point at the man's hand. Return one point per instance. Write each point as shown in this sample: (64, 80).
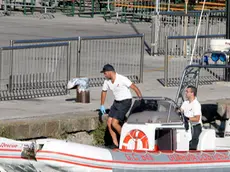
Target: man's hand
(178, 110)
(102, 109)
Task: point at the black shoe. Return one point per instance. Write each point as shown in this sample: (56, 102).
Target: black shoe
(113, 146)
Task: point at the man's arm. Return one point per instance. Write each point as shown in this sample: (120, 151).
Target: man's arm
(103, 96)
(197, 113)
(136, 89)
(195, 118)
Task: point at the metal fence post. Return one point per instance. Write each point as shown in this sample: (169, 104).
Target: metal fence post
(79, 57)
(207, 30)
(69, 59)
(0, 72)
(11, 66)
(5, 6)
(142, 59)
(166, 62)
(152, 37)
(92, 11)
(73, 8)
(185, 33)
(227, 71)
(156, 32)
(68, 66)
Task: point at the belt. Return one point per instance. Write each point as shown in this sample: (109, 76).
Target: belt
(120, 101)
(196, 125)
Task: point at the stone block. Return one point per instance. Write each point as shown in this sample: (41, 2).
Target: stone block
(21, 131)
(66, 126)
(81, 137)
(84, 123)
(37, 129)
(52, 128)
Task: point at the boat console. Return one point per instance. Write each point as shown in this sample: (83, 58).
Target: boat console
(154, 124)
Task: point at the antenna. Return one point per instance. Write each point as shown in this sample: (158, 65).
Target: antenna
(198, 29)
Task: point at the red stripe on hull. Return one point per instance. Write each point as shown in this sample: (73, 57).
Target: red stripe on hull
(74, 163)
(135, 163)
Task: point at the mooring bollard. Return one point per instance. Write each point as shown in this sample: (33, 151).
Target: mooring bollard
(82, 96)
(82, 89)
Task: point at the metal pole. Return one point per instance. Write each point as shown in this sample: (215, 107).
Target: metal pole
(0, 73)
(207, 29)
(142, 58)
(152, 36)
(169, 3)
(5, 6)
(166, 62)
(227, 70)
(69, 61)
(157, 6)
(185, 27)
(78, 74)
(68, 64)
(11, 65)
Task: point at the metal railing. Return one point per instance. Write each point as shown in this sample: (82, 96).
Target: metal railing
(34, 70)
(30, 6)
(124, 52)
(36, 67)
(89, 53)
(180, 24)
(74, 49)
(176, 59)
(167, 23)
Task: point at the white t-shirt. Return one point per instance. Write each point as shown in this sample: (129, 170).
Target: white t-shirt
(192, 109)
(120, 87)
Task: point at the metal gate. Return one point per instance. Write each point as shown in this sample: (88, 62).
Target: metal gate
(176, 59)
(33, 71)
(42, 67)
(89, 53)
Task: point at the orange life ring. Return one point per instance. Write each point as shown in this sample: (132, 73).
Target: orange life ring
(136, 135)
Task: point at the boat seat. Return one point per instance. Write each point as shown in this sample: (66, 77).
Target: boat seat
(207, 140)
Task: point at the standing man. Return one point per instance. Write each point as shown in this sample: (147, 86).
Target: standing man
(120, 86)
(192, 110)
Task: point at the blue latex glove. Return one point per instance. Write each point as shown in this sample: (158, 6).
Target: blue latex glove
(102, 109)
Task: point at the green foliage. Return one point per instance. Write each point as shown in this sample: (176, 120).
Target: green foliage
(99, 134)
(5, 132)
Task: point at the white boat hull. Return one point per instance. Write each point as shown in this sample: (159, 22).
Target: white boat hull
(57, 155)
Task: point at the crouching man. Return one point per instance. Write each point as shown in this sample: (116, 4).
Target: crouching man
(120, 86)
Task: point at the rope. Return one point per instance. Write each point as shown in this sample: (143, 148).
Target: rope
(194, 46)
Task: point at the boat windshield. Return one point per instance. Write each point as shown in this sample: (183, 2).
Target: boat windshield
(154, 110)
